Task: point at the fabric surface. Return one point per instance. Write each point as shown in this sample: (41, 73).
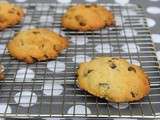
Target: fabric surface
(152, 10)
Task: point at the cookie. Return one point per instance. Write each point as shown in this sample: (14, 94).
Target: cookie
(113, 79)
(10, 14)
(36, 44)
(1, 72)
(87, 17)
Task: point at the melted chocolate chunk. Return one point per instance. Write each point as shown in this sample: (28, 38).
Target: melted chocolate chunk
(87, 6)
(36, 32)
(89, 71)
(34, 59)
(42, 46)
(131, 69)
(18, 13)
(113, 66)
(109, 60)
(81, 20)
(133, 95)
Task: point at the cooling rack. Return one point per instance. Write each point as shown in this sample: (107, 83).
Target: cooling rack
(48, 89)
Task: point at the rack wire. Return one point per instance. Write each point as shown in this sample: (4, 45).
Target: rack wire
(120, 40)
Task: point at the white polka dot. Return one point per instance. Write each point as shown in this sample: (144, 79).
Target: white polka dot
(59, 31)
(129, 12)
(104, 48)
(135, 62)
(153, 10)
(2, 48)
(79, 109)
(42, 7)
(26, 27)
(46, 19)
(8, 34)
(20, 0)
(150, 22)
(81, 58)
(64, 1)
(90, 0)
(119, 106)
(4, 108)
(156, 38)
(128, 32)
(56, 66)
(60, 10)
(122, 2)
(133, 48)
(119, 20)
(79, 40)
(25, 98)
(49, 86)
(27, 19)
(158, 55)
(24, 74)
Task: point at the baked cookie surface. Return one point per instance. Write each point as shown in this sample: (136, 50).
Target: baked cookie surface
(87, 17)
(36, 45)
(113, 79)
(10, 14)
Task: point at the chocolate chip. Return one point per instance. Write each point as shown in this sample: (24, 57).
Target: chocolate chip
(109, 60)
(131, 69)
(42, 46)
(56, 47)
(34, 59)
(81, 20)
(133, 95)
(45, 56)
(87, 6)
(82, 24)
(35, 32)
(114, 58)
(113, 66)
(18, 13)
(104, 85)
(89, 71)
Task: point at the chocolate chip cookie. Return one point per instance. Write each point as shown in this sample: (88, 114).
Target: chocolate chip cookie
(36, 44)
(113, 79)
(10, 14)
(87, 17)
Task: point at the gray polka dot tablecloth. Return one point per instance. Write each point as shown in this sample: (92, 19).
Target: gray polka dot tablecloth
(35, 91)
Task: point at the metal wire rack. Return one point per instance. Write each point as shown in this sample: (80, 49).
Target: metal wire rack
(24, 93)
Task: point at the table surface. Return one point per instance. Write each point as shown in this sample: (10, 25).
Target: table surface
(151, 7)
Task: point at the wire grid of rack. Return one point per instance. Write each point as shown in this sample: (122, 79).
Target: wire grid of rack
(115, 37)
